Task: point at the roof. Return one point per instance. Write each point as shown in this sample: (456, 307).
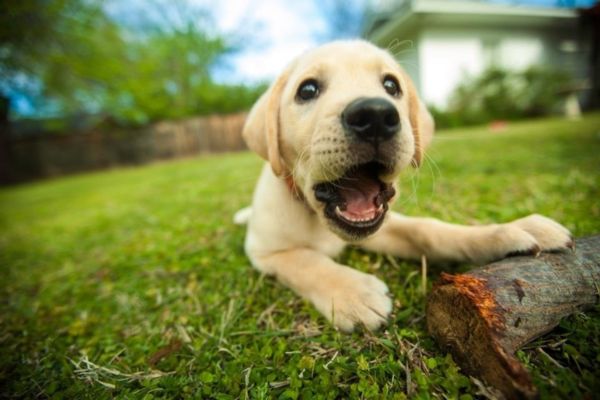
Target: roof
(406, 16)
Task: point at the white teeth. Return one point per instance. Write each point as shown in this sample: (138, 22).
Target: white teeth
(340, 214)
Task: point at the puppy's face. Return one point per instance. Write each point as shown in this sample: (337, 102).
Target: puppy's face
(342, 129)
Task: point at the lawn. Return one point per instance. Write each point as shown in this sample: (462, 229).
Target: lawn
(132, 283)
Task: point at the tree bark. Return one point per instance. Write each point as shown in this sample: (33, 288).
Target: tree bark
(5, 161)
(482, 317)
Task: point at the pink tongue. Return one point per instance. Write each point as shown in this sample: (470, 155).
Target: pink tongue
(359, 192)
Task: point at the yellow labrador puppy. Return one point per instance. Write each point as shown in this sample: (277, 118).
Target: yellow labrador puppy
(337, 127)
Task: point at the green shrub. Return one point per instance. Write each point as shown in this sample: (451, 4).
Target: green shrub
(500, 94)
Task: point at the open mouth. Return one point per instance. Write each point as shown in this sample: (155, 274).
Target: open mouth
(358, 201)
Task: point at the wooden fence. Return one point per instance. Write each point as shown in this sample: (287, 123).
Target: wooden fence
(45, 155)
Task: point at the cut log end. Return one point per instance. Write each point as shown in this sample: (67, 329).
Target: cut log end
(457, 324)
(484, 316)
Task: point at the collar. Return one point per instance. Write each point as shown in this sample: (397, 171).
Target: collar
(293, 188)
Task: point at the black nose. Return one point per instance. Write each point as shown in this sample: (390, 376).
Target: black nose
(371, 119)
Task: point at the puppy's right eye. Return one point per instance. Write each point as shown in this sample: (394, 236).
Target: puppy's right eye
(308, 90)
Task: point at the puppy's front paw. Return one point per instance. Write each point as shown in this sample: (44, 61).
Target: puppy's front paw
(529, 236)
(349, 298)
(549, 234)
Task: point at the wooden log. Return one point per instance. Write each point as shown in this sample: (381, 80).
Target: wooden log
(482, 317)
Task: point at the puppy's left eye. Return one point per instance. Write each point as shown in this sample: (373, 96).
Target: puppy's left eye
(391, 86)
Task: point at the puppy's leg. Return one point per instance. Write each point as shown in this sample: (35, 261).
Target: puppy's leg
(345, 296)
(440, 241)
(241, 217)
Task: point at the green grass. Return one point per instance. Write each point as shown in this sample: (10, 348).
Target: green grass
(133, 283)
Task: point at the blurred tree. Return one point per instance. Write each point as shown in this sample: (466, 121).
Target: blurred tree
(26, 29)
(154, 66)
(52, 45)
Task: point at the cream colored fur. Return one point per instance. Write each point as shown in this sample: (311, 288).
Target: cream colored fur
(292, 240)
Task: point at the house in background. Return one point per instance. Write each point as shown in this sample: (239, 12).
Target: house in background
(442, 42)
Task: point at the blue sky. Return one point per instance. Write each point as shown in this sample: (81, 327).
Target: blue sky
(283, 30)
(271, 31)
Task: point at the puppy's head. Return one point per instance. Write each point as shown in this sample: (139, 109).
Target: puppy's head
(342, 120)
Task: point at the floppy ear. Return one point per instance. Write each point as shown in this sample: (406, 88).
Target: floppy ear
(420, 120)
(262, 128)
